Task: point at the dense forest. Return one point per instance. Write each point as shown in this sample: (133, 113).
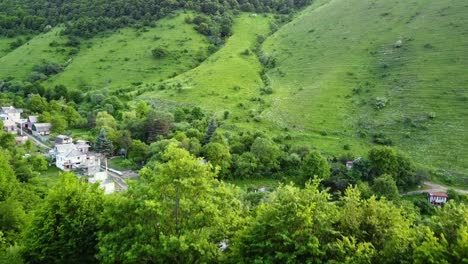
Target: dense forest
(86, 18)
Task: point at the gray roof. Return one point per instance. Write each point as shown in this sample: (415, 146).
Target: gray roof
(11, 109)
(68, 150)
(42, 127)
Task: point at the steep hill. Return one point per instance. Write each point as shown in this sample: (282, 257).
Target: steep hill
(348, 74)
(342, 60)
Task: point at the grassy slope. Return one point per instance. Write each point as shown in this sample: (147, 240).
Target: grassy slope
(19, 62)
(212, 83)
(5, 46)
(332, 48)
(125, 57)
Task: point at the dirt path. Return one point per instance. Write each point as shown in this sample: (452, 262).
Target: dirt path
(434, 187)
(36, 141)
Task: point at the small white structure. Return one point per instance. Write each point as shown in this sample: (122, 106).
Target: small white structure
(349, 164)
(437, 198)
(105, 183)
(62, 139)
(21, 140)
(30, 122)
(82, 146)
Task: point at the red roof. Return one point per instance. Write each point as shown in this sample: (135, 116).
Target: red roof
(438, 194)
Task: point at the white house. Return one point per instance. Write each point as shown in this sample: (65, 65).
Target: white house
(11, 113)
(68, 157)
(437, 198)
(8, 125)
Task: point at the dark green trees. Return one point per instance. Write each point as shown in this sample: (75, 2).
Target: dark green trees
(159, 53)
(211, 129)
(103, 144)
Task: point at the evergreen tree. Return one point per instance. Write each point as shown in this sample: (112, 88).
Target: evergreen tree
(103, 144)
(211, 129)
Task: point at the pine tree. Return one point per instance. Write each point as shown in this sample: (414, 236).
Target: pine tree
(211, 129)
(103, 144)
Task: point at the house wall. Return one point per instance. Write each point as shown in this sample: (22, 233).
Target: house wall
(60, 161)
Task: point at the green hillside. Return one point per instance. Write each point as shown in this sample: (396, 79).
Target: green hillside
(227, 80)
(20, 62)
(338, 57)
(348, 73)
(124, 57)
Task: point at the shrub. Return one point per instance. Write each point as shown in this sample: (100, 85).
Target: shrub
(159, 52)
(380, 102)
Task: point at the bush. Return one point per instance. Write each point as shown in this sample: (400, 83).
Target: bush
(159, 52)
(380, 102)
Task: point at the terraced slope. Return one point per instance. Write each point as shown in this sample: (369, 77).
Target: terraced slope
(342, 59)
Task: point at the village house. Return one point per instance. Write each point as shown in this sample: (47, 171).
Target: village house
(41, 129)
(10, 116)
(11, 113)
(69, 156)
(437, 198)
(30, 122)
(8, 126)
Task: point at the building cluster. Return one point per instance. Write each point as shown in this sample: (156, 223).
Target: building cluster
(12, 121)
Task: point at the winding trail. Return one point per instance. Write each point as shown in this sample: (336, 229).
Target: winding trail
(434, 187)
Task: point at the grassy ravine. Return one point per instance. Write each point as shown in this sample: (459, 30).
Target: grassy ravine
(19, 63)
(336, 46)
(124, 59)
(228, 79)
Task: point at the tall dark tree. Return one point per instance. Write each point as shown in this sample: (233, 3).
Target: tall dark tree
(211, 129)
(103, 144)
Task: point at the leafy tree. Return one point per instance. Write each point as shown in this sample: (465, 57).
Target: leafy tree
(218, 155)
(383, 160)
(294, 226)
(267, 153)
(7, 176)
(314, 165)
(461, 247)
(59, 124)
(245, 165)
(64, 228)
(138, 151)
(178, 213)
(385, 186)
(37, 103)
(431, 250)
(103, 144)
(386, 227)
